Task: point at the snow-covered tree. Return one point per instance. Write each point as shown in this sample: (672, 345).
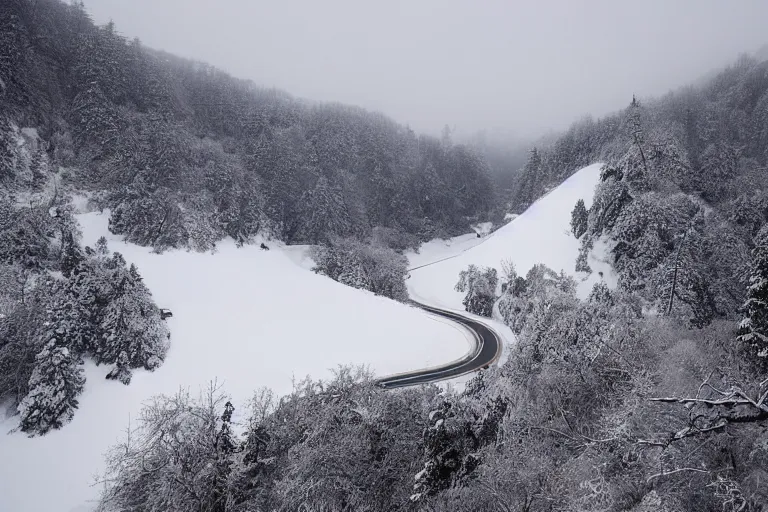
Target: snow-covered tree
(448, 447)
(122, 369)
(534, 302)
(68, 317)
(480, 288)
(369, 266)
(39, 168)
(180, 440)
(753, 330)
(582, 260)
(150, 218)
(55, 383)
(131, 323)
(635, 123)
(322, 213)
(8, 156)
(95, 118)
(579, 219)
(71, 254)
(718, 167)
(531, 180)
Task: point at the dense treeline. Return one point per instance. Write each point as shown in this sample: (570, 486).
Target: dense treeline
(185, 155)
(648, 397)
(60, 302)
(684, 194)
(552, 160)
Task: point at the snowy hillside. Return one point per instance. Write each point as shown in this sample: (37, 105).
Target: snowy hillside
(257, 318)
(248, 317)
(542, 234)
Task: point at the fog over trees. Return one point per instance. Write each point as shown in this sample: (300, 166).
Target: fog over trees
(649, 396)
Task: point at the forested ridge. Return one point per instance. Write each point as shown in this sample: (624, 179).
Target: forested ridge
(185, 155)
(650, 396)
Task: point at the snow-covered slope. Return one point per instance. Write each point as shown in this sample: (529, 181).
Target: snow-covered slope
(248, 317)
(255, 318)
(542, 234)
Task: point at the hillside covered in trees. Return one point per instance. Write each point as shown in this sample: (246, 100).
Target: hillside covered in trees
(184, 154)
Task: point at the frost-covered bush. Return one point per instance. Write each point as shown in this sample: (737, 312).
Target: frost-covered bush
(360, 265)
(480, 287)
(394, 239)
(187, 447)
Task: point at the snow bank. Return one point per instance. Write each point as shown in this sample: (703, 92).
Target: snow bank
(248, 317)
(542, 234)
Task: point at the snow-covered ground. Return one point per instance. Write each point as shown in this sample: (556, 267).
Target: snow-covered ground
(542, 234)
(247, 317)
(254, 318)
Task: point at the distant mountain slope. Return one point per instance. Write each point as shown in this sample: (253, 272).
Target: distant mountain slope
(185, 155)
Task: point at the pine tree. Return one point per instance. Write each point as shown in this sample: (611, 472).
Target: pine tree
(635, 125)
(323, 213)
(225, 442)
(753, 330)
(101, 247)
(718, 168)
(122, 370)
(131, 322)
(530, 181)
(67, 319)
(55, 383)
(71, 254)
(579, 219)
(39, 168)
(95, 118)
(7, 153)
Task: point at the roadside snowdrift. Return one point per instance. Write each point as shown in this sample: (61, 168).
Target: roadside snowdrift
(542, 234)
(248, 317)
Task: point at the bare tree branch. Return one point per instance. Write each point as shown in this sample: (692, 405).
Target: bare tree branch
(674, 471)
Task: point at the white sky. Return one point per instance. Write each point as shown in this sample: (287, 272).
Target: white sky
(473, 64)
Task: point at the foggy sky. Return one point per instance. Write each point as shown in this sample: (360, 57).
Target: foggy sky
(473, 64)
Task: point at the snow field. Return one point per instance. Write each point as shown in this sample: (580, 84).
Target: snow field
(247, 317)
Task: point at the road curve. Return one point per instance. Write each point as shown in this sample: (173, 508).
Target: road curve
(486, 351)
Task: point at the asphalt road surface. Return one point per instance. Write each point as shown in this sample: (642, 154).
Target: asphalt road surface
(485, 353)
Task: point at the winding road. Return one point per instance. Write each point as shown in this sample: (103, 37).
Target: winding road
(486, 351)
